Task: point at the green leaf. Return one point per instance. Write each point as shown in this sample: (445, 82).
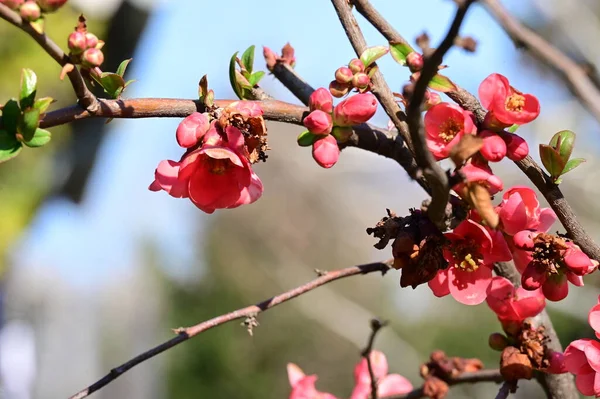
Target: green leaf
(28, 123)
(248, 59)
(42, 104)
(122, 67)
(112, 83)
(306, 138)
(128, 83)
(572, 164)
(40, 137)
(563, 142)
(372, 54)
(28, 88)
(513, 128)
(441, 83)
(399, 52)
(551, 160)
(256, 77)
(233, 77)
(9, 146)
(38, 25)
(10, 116)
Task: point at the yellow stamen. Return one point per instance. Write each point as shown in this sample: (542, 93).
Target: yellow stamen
(449, 129)
(515, 102)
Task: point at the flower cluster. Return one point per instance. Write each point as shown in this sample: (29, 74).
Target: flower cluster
(32, 10)
(582, 358)
(215, 171)
(303, 386)
(327, 124)
(353, 76)
(85, 48)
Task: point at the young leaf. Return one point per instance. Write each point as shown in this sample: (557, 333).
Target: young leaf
(40, 137)
(563, 142)
(38, 25)
(441, 83)
(233, 77)
(551, 160)
(572, 164)
(513, 128)
(42, 104)
(9, 146)
(372, 54)
(256, 77)
(306, 138)
(203, 87)
(29, 121)
(399, 52)
(122, 67)
(28, 88)
(248, 59)
(112, 83)
(10, 116)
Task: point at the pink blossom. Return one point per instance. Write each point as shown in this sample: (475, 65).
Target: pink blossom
(303, 386)
(471, 253)
(513, 304)
(214, 176)
(582, 358)
(318, 122)
(445, 124)
(516, 147)
(355, 110)
(507, 105)
(481, 173)
(326, 151)
(321, 99)
(494, 148)
(387, 384)
(520, 210)
(191, 130)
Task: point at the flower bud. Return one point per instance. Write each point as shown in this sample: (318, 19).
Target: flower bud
(191, 130)
(557, 363)
(361, 80)
(354, 110)
(356, 65)
(318, 122)
(344, 75)
(326, 151)
(497, 341)
(12, 4)
(270, 58)
(91, 40)
(516, 147)
(338, 89)
(30, 11)
(414, 61)
(287, 55)
(494, 148)
(77, 42)
(51, 5)
(431, 99)
(321, 99)
(92, 58)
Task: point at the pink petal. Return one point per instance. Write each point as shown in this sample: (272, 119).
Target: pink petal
(393, 384)
(547, 219)
(217, 152)
(575, 279)
(295, 374)
(513, 214)
(592, 353)
(492, 86)
(594, 318)
(556, 288)
(586, 383)
(575, 359)
(469, 288)
(439, 284)
(166, 178)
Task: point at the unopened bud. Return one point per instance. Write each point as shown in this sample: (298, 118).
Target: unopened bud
(92, 57)
(12, 4)
(431, 99)
(270, 58)
(30, 11)
(51, 5)
(338, 89)
(91, 40)
(361, 80)
(497, 341)
(344, 75)
(356, 65)
(414, 61)
(77, 42)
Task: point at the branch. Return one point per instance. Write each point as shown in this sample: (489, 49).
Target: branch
(365, 8)
(506, 389)
(293, 82)
(249, 312)
(573, 74)
(490, 375)
(84, 95)
(376, 325)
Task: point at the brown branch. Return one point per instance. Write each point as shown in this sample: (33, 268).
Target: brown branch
(506, 389)
(376, 325)
(365, 8)
(84, 95)
(488, 375)
(183, 334)
(293, 82)
(572, 73)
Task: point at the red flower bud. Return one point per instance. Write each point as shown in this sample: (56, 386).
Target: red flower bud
(321, 99)
(361, 80)
(414, 61)
(344, 75)
(192, 129)
(494, 148)
(270, 58)
(92, 58)
(326, 151)
(12, 4)
(91, 40)
(338, 89)
(77, 42)
(51, 5)
(431, 99)
(356, 65)
(516, 147)
(497, 341)
(30, 11)
(354, 110)
(318, 122)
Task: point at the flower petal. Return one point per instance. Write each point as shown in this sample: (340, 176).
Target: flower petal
(467, 287)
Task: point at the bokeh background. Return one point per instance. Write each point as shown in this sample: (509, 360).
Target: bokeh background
(95, 269)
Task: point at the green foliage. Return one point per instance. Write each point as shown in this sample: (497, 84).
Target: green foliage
(400, 51)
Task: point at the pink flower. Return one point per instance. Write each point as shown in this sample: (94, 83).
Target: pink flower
(582, 358)
(355, 110)
(507, 105)
(471, 252)
(387, 384)
(248, 109)
(318, 122)
(512, 304)
(481, 173)
(445, 124)
(494, 148)
(326, 151)
(321, 99)
(214, 176)
(520, 210)
(303, 386)
(191, 130)
(516, 147)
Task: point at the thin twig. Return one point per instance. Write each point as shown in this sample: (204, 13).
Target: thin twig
(84, 95)
(572, 73)
(487, 375)
(183, 334)
(365, 8)
(293, 82)
(376, 325)
(506, 389)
